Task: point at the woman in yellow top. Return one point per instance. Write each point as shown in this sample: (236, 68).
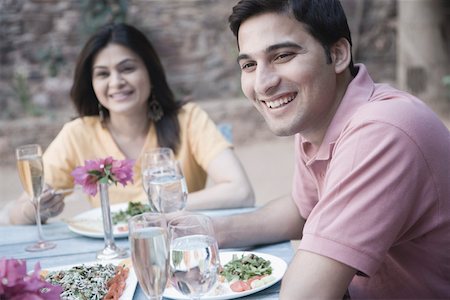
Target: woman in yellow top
(125, 108)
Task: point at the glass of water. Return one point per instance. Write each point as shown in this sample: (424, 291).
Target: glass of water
(167, 189)
(194, 255)
(151, 160)
(149, 243)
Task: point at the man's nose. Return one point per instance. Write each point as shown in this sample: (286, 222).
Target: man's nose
(266, 79)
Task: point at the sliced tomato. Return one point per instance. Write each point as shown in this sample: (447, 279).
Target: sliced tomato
(251, 279)
(240, 286)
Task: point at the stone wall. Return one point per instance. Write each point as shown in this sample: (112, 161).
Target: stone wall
(40, 40)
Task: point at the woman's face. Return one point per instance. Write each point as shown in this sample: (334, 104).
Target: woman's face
(121, 81)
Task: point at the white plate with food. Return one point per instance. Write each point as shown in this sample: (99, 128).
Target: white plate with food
(89, 223)
(236, 288)
(71, 276)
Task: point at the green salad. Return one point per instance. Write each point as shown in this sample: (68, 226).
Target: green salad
(134, 208)
(246, 267)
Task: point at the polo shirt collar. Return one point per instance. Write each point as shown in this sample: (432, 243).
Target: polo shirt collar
(358, 92)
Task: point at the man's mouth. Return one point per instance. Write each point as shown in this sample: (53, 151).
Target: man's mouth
(276, 103)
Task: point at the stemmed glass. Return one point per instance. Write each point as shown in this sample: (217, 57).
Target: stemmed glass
(163, 181)
(153, 159)
(31, 173)
(194, 255)
(167, 189)
(150, 252)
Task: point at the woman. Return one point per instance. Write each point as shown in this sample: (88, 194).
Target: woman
(126, 107)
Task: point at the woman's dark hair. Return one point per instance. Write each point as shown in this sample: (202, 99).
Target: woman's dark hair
(325, 20)
(83, 95)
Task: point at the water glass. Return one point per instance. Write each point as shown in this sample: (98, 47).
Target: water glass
(150, 252)
(194, 255)
(167, 188)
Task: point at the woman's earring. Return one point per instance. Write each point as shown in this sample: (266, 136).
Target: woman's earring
(101, 112)
(155, 111)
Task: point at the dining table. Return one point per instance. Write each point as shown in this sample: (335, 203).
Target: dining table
(72, 248)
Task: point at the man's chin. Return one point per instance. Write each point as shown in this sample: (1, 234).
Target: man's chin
(281, 131)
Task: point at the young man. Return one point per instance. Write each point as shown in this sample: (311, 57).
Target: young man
(371, 188)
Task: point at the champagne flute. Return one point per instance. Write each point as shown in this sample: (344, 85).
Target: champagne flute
(167, 188)
(150, 252)
(31, 173)
(194, 255)
(150, 160)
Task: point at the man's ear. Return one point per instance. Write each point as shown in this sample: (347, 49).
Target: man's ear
(341, 54)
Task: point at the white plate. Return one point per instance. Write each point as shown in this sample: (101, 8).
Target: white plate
(131, 282)
(89, 223)
(279, 266)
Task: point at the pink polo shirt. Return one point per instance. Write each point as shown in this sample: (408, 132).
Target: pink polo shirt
(376, 195)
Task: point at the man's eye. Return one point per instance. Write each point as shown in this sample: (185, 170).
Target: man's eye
(247, 66)
(284, 57)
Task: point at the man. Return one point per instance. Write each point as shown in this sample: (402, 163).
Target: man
(371, 188)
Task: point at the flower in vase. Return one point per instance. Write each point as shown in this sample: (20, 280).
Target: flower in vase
(107, 170)
(16, 284)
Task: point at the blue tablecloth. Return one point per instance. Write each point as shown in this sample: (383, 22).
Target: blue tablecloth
(73, 248)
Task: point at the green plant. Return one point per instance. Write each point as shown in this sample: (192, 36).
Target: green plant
(97, 13)
(22, 91)
(52, 58)
(446, 82)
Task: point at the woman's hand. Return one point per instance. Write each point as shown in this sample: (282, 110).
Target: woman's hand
(52, 203)
(22, 210)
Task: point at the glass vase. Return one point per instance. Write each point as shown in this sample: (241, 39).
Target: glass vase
(111, 251)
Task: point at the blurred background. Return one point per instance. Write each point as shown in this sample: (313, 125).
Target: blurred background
(405, 43)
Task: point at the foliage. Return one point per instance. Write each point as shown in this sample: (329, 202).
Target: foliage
(446, 81)
(97, 13)
(53, 59)
(22, 91)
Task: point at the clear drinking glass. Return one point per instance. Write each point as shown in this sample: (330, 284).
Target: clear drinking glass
(31, 173)
(167, 189)
(194, 255)
(153, 159)
(150, 252)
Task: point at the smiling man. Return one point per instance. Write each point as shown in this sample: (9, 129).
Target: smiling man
(371, 188)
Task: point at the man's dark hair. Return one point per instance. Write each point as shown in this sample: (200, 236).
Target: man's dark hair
(325, 20)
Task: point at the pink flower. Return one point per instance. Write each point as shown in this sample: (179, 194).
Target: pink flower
(107, 170)
(16, 284)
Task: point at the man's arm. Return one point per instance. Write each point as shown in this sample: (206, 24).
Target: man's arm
(277, 221)
(313, 276)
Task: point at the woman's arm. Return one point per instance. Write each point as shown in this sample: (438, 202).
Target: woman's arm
(231, 186)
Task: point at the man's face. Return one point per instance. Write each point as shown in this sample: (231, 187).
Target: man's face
(286, 76)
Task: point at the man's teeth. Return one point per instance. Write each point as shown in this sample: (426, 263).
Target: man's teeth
(279, 102)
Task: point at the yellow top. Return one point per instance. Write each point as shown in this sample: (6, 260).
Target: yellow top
(85, 139)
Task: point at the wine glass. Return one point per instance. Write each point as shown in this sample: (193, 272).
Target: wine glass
(167, 188)
(152, 159)
(194, 255)
(150, 252)
(31, 173)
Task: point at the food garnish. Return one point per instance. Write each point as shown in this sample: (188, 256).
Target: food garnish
(96, 282)
(134, 208)
(247, 272)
